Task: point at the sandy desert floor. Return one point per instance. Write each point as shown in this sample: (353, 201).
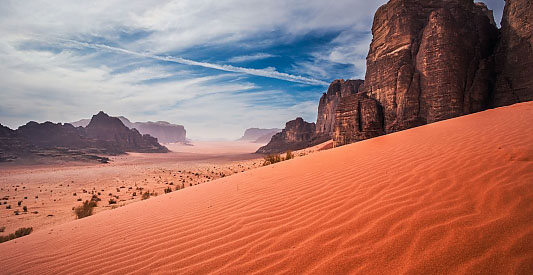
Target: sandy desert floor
(51, 191)
(454, 197)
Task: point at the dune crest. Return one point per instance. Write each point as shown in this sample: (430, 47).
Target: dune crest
(451, 197)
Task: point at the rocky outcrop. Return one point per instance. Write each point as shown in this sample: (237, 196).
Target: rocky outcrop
(298, 134)
(327, 107)
(49, 135)
(358, 118)
(110, 129)
(165, 132)
(430, 61)
(104, 135)
(514, 55)
(259, 135)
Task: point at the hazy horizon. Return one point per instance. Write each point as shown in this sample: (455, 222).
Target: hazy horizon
(216, 67)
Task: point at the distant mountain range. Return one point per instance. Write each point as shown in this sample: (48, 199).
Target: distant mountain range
(258, 135)
(164, 132)
(103, 135)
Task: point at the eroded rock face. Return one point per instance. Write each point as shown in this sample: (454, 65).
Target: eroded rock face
(358, 118)
(165, 132)
(259, 135)
(429, 60)
(514, 55)
(327, 108)
(105, 128)
(298, 134)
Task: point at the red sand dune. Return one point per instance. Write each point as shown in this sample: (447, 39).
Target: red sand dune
(451, 197)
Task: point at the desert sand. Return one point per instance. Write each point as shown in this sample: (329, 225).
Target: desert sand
(51, 190)
(454, 197)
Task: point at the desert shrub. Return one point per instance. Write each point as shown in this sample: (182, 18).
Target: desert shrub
(289, 155)
(112, 201)
(2, 228)
(95, 198)
(167, 190)
(19, 233)
(19, 203)
(271, 159)
(25, 208)
(8, 207)
(146, 195)
(85, 210)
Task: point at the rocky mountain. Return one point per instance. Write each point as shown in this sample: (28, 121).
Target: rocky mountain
(164, 132)
(111, 129)
(296, 135)
(429, 61)
(259, 135)
(104, 135)
(12, 145)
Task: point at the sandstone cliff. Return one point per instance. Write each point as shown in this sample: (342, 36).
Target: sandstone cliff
(358, 117)
(327, 108)
(165, 132)
(430, 60)
(514, 55)
(259, 135)
(105, 128)
(298, 134)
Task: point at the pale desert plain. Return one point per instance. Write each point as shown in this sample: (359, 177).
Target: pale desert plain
(453, 197)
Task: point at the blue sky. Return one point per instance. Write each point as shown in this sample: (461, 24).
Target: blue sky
(216, 67)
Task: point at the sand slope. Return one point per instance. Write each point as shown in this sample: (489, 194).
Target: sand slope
(451, 197)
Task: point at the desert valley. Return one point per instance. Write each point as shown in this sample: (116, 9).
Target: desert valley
(422, 166)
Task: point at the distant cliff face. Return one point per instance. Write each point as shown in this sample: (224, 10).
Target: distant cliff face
(514, 55)
(111, 129)
(104, 135)
(259, 135)
(164, 132)
(327, 108)
(298, 134)
(430, 60)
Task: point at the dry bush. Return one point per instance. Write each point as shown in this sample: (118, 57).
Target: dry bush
(85, 210)
(19, 233)
(271, 159)
(146, 195)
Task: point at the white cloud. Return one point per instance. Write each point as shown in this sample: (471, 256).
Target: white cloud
(251, 57)
(69, 83)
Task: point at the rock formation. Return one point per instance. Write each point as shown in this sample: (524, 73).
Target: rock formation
(110, 129)
(259, 135)
(514, 55)
(430, 60)
(327, 108)
(104, 135)
(165, 132)
(297, 135)
(358, 118)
